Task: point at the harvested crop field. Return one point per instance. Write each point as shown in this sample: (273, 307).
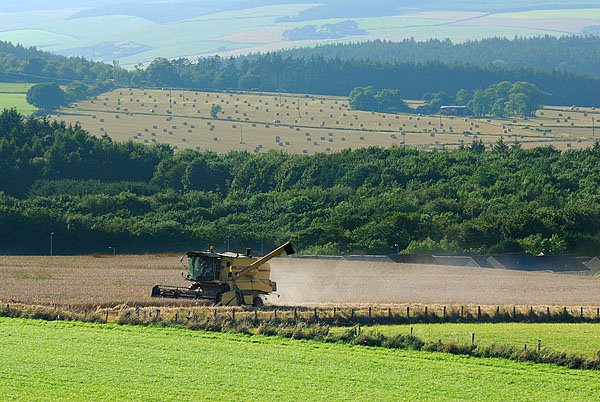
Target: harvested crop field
(113, 280)
(307, 124)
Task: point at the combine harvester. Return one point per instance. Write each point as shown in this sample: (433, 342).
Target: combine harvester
(226, 279)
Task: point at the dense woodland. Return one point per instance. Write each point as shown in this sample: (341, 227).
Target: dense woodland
(578, 54)
(288, 73)
(93, 193)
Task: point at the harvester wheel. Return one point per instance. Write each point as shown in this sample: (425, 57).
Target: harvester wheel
(257, 302)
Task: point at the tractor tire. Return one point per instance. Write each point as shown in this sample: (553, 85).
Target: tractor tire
(257, 302)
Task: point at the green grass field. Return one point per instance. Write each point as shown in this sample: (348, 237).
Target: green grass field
(14, 87)
(77, 361)
(582, 339)
(17, 101)
(12, 95)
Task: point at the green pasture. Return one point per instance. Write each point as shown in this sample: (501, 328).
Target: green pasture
(77, 361)
(17, 101)
(14, 87)
(37, 37)
(582, 13)
(582, 339)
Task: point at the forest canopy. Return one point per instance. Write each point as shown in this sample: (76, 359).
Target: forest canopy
(93, 192)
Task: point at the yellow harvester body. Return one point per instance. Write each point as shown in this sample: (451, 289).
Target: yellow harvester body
(227, 279)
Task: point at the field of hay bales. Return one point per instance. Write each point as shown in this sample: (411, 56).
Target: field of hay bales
(111, 280)
(307, 124)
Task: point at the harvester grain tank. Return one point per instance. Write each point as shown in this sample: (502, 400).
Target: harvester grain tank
(226, 279)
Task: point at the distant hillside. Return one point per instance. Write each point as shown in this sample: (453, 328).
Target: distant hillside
(142, 30)
(164, 12)
(326, 31)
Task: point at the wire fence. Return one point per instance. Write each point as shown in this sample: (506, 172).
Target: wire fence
(329, 315)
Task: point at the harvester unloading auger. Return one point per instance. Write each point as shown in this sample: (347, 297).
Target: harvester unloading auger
(226, 279)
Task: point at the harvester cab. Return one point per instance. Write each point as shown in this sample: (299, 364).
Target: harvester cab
(226, 279)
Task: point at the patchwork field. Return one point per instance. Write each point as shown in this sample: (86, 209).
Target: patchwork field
(12, 95)
(140, 39)
(307, 124)
(109, 280)
(48, 360)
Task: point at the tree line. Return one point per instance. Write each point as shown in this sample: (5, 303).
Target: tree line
(289, 73)
(93, 193)
(576, 54)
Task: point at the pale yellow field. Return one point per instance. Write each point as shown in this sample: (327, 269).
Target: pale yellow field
(112, 280)
(306, 124)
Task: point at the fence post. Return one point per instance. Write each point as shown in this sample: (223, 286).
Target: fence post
(106, 319)
(514, 312)
(316, 314)
(176, 316)
(426, 312)
(580, 313)
(334, 312)
(295, 314)
(411, 332)
(157, 313)
(539, 345)
(352, 314)
(389, 312)
(462, 311)
(479, 313)
(598, 312)
(370, 313)
(472, 339)
(548, 311)
(275, 313)
(444, 312)
(233, 314)
(408, 312)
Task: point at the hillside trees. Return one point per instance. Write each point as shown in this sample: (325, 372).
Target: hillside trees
(323, 73)
(92, 192)
(385, 101)
(508, 99)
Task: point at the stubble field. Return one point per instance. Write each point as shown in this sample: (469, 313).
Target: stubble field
(307, 124)
(108, 280)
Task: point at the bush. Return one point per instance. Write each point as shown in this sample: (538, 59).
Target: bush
(47, 96)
